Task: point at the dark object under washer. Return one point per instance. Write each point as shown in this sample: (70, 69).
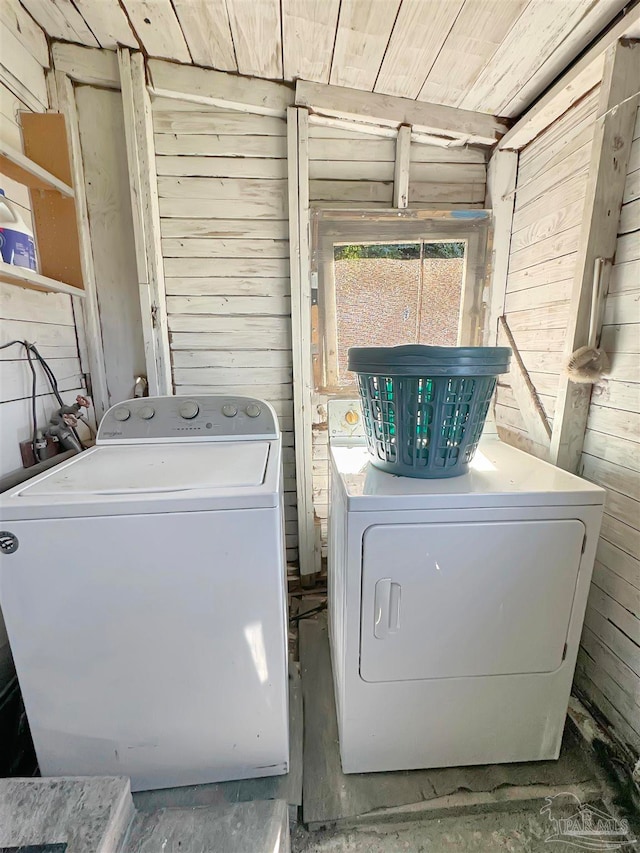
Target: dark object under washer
(35, 848)
(17, 755)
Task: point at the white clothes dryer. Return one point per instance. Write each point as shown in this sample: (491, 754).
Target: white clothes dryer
(455, 607)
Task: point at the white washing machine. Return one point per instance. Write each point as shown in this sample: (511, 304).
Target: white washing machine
(455, 606)
(143, 587)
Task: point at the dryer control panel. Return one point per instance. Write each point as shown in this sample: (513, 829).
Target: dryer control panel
(204, 417)
(345, 420)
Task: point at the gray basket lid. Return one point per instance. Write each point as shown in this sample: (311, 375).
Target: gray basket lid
(420, 360)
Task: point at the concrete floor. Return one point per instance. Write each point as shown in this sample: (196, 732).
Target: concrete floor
(522, 831)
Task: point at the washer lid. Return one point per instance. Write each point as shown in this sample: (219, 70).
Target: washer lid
(154, 468)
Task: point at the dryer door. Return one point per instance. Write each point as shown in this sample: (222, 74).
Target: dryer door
(474, 598)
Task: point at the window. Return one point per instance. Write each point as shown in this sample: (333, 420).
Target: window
(394, 277)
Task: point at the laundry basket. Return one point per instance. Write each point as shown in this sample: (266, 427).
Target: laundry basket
(424, 407)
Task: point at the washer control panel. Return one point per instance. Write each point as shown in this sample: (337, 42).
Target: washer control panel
(212, 417)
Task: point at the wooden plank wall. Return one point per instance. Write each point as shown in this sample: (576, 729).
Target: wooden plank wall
(550, 191)
(609, 661)
(225, 242)
(43, 318)
(354, 169)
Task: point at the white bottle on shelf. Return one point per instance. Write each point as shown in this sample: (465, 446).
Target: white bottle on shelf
(16, 238)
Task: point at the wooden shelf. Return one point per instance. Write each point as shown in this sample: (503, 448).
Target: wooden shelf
(15, 165)
(45, 169)
(32, 279)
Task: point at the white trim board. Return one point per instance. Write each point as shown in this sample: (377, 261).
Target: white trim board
(90, 309)
(143, 181)
(298, 160)
(502, 174)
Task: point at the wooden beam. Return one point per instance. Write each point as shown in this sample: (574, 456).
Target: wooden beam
(52, 90)
(143, 181)
(298, 165)
(216, 88)
(617, 110)
(88, 65)
(474, 281)
(327, 336)
(501, 182)
(525, 393)
(401, 170)
(89, 305)
(353, 126)
(375, 108)
(586, 73)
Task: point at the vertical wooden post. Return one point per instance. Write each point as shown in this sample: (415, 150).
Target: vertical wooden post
(617, 111)
(52, 90)
(138, 126)
(401, 171)
(329, 313)
(89, 305)
(299, 249)
(501, 183)
(77, 307)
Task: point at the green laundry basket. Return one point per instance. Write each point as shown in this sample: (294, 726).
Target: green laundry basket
(424, 407)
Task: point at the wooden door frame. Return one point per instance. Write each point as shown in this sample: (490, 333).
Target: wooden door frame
(145, 209)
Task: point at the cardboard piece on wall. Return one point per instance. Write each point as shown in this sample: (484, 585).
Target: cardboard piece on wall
(54, 215)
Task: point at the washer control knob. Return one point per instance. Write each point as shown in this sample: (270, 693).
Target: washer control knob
(188, 410)
(253, 410)
(352, 417)
(121, 413)
(146, 413)
(229, 410)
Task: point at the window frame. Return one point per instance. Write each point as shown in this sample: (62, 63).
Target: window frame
(330, 226)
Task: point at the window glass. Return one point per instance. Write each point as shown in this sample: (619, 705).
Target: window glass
(385, 278)
(415, 286)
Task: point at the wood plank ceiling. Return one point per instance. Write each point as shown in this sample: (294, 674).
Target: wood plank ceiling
(493, 56)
